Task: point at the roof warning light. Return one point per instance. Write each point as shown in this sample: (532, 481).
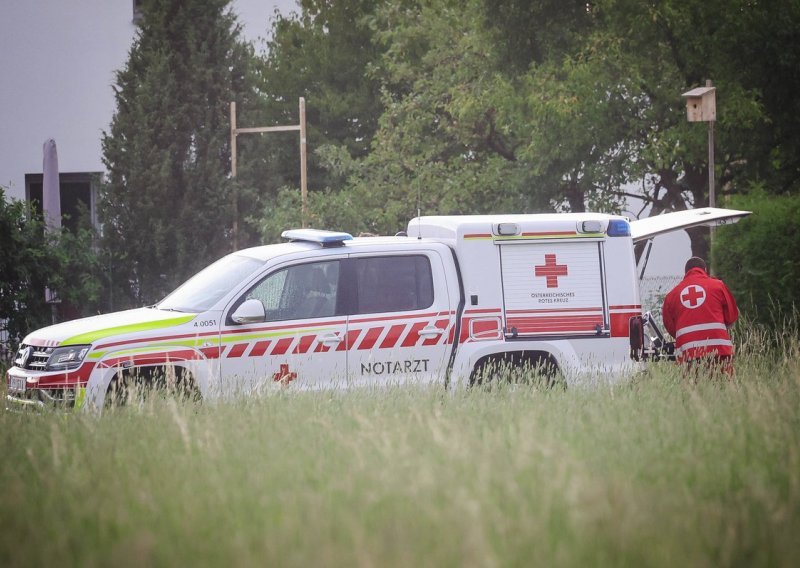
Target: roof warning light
(324, 238)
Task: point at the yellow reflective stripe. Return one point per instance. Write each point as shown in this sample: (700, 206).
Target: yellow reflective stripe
(80, 397)
(533, 237)
(206, 341)
(548, 237)
(234, 338)
(93, 336)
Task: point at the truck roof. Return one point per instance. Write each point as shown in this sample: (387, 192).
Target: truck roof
(455, 226)
(266, 252)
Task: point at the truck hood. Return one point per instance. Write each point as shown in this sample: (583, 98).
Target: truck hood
(650, 227)
(88, 330)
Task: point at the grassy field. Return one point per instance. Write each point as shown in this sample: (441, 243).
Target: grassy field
(657, 471)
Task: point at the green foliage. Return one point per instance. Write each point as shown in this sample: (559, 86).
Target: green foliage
(167, 206)
(759, 257)
(324, 54)
(540, 105)
(24, 268)
(33, 260)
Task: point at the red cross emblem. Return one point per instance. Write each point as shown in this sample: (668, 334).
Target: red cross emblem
(284, 376)
(693, 296)
(551, 271)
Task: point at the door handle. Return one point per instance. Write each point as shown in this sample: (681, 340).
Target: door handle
(331, 338)
(431, 330)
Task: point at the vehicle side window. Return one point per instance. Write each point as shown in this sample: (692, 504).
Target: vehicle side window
(393, 283)
(299, 292)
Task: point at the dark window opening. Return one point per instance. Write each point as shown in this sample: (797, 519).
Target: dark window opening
(77, 198)
(138, 11)
(393, 284)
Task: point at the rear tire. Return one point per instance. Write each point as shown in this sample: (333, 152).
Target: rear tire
(518, 368)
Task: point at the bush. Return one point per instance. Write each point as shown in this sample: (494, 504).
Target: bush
(759, 257)
(33, 260)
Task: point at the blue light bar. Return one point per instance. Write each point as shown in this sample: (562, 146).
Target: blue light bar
(324, 238)
(618, 228)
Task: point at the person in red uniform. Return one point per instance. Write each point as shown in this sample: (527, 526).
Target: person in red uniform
(698, 313)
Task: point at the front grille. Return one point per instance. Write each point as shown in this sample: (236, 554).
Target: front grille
(32, 357)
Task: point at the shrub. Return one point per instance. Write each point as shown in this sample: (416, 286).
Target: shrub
(759, 257)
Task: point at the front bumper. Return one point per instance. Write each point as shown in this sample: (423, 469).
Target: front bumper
(39, 399)
(25, 393)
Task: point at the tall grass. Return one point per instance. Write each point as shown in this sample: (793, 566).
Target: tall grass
(657, 471)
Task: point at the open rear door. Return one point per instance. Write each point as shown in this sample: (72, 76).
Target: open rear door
(650, 227)
(647, 229)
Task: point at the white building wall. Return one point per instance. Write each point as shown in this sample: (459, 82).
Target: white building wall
(57, 64)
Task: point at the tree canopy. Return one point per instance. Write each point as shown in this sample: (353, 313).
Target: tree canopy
(442, 106)
(167, 205)
(541, 105)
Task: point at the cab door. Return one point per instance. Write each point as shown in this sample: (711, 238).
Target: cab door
(301, 341)
(400, 323)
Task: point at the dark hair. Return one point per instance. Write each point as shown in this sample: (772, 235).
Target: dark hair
(695, 262)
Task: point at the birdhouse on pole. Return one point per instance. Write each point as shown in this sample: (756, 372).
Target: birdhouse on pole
(701, 104)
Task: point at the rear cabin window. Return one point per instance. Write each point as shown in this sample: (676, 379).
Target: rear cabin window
(393, 284)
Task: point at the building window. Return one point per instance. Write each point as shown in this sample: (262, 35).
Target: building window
(78, 197)
(138, 11)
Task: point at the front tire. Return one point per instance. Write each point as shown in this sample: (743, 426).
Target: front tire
(135, 386)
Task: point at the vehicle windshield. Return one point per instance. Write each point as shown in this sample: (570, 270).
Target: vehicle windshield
(208, 286)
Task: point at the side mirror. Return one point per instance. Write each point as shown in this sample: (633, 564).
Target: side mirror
(251, 311)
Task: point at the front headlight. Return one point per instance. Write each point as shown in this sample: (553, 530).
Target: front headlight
(67, 358)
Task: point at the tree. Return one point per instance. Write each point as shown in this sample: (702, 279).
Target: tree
(588, 116)
(325, 54)
(537, 105)
(465, 131)
(642, 55)
(167, 205)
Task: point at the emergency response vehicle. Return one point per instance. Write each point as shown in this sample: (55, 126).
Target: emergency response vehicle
(453, 296)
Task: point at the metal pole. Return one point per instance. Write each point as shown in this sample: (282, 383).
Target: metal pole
(303, 165)
(712, 200)
(711, 197)
(235, 193)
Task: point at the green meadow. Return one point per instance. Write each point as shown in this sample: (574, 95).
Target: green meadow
(658, 470)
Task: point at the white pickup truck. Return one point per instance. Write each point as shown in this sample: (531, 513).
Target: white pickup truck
(453, 296)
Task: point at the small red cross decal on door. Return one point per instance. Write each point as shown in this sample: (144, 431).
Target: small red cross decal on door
(551, 271)
(284, 376)
(693, 296)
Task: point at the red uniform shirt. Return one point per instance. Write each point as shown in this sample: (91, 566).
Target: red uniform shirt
(697, 313)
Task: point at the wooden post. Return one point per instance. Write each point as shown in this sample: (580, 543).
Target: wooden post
(303, 165)
(701, 106)
(235, 228)
(235, 131)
